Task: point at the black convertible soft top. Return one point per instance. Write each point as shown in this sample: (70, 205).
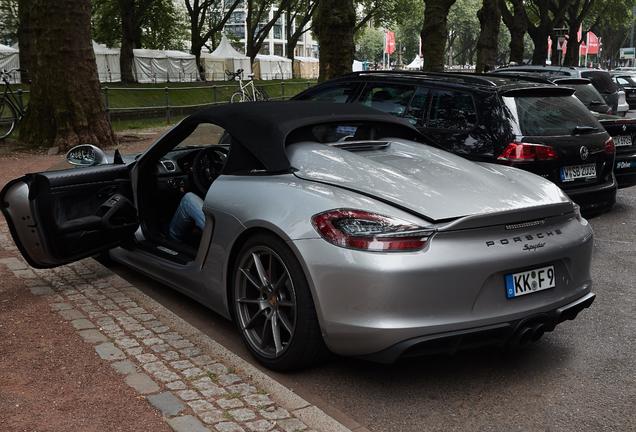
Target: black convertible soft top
(260, 130)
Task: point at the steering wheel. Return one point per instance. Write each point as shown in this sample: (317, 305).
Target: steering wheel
(207, 166)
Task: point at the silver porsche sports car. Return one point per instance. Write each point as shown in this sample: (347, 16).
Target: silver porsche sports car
(321, 227)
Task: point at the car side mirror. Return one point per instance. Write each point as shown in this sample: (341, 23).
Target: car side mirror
(86, 155)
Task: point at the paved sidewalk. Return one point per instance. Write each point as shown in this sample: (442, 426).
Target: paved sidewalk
(194, 382)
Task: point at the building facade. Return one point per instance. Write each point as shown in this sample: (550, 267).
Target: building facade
(276, 41)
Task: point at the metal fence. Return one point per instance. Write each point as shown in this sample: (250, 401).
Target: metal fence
(168, 101)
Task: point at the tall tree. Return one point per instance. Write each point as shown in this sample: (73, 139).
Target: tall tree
(259, 22)
(297, 22)
(516, 21)
(65, 108)
(334, 26)
(489, 19)
(542, 17)
(207, 17)
(576, 12)
(434, 33)
(463, 31)
(155, 24)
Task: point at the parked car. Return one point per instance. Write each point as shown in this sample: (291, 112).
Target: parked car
(600, 79)
(534, 126)
(626, 81)
(325, 225)
(622, 130)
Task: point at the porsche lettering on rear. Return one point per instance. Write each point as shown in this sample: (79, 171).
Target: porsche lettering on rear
(524, 238)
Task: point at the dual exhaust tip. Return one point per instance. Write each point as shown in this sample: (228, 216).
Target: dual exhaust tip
(533, 329)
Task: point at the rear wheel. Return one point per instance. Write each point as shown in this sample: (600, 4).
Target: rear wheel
(261, 95)
(273, 307)
(8, 118)
(237, 97)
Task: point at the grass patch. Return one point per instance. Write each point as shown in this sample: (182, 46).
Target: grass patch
(144, 123)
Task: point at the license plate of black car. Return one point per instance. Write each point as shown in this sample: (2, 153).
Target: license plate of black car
(575, 172)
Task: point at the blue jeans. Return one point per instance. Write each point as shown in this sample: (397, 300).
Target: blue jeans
(188, 214)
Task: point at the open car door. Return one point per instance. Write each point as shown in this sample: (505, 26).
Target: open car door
(57, 217)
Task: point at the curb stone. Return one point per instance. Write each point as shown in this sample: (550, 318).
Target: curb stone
(196, 383)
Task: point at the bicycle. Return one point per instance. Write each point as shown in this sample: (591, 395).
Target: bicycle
(247, 92)
(11, 111)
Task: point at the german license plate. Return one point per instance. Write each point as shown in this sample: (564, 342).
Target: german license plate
(575, 172)
(623, 140)
(530, 282)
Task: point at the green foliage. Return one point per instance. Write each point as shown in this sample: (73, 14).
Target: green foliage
(8, 21)
(463, 31)
(370, 45)
(407, 31)
(163, 25)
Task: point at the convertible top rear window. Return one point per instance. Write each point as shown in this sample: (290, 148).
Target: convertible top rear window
(348, 131)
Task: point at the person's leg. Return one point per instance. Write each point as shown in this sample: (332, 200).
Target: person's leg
(189, 213)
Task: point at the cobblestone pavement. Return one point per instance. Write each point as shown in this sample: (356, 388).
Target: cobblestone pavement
(193, 390)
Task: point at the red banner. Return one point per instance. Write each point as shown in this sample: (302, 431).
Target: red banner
(592, 45)
(389, 46)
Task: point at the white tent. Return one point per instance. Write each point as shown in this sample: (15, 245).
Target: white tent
(214, 67)
(233, 61)
(306, 67)
(269, 67)
(357, 66)
(107, 60)
(416, 64)
(150, 66)
(182, 67)
(10, 59)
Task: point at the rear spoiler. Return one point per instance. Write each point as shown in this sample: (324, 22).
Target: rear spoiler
(538, 91)
(572, 81)
(509, 217)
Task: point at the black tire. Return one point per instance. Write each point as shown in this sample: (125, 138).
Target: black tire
(306, 346)
(8, 118)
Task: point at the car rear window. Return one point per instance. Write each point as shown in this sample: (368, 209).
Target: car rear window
(587, 94)
(548, 115)
(601, 80)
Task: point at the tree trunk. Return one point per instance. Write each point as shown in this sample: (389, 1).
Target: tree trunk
(555, 55)
(540, 38)
(24, 39)
(571, 57)
(434, 34)
(65, 106)
(334, 25)
(128, 37)
(489, 19)
(517, 25)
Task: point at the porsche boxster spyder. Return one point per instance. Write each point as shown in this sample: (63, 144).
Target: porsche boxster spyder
(328, 227)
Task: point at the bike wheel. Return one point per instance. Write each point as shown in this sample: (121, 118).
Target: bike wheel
(261, 95)
(8, 118)
(237, 97)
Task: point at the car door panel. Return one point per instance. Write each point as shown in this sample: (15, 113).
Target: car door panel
(61, 216)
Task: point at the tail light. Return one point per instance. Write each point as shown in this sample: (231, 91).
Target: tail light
(361, 230)
(524, 152)
(610, 147)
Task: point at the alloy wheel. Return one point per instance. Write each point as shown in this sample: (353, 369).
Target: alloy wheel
(265, 301)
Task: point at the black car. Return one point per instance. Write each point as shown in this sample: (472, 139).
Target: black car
(626, 81)
(601, 80)
(535, 126)
(622, 130)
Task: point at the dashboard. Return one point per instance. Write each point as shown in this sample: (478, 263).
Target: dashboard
(191, 169)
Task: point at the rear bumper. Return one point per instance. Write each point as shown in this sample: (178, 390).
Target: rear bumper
(595, 198)
(370, 302)
(625, 169)
(515, 332)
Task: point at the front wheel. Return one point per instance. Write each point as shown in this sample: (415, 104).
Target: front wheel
(237, 97)
(8, 118)
(273, 307)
